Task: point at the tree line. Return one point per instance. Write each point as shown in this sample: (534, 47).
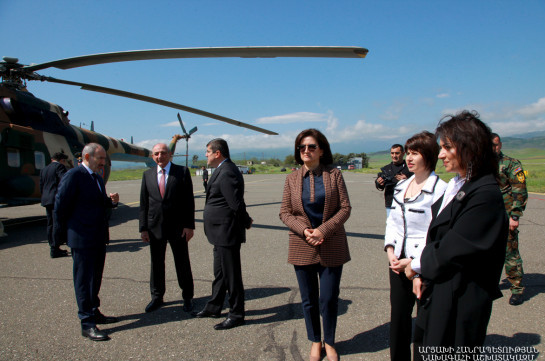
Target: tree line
(289, 161)
(338, 159)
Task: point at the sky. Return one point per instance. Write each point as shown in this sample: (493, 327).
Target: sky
(426, 59)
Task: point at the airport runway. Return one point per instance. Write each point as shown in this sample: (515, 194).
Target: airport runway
(38, 312)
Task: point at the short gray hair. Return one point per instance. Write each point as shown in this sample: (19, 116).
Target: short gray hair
(90, 149)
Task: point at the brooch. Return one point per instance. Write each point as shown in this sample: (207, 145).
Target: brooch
(460, 195)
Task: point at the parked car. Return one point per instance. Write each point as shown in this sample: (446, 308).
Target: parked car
(243, 169)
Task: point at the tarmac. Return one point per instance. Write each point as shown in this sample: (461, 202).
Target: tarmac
(38, 312)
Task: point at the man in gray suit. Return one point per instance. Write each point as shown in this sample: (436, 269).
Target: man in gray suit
(225, 224)
(167, 213)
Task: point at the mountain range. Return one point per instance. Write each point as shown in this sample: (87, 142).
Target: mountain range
(519, 141)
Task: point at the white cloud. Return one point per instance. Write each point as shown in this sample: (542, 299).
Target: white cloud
(149, 143)
(506, 119)
(394, 111)
(336, 132)
(517, 127)
(292, 118)
(171, 124)
(502, 118)
(443, 95)
(534, 109)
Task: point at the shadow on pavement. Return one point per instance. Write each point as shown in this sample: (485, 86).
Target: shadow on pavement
(372, 340)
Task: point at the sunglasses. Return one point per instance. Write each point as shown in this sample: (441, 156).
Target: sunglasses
(311, 147)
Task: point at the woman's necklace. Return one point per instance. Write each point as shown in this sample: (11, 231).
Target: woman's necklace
(414, 189)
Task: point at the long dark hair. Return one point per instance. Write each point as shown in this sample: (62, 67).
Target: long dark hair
(473, 142)
(327, 157)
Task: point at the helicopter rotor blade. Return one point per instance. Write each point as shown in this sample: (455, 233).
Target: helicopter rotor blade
(192, 130)
(182, 124)
(162, 102)
(217, 52)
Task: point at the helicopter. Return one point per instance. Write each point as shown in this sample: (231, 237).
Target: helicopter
(32, 129)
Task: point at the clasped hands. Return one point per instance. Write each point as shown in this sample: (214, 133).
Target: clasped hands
(404, 265)
(314, 237)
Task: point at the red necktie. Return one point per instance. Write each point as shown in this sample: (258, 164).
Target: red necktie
(162, 183)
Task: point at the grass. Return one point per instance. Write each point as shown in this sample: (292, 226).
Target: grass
(533, 161)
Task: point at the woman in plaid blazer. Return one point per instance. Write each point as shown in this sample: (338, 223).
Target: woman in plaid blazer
(315, 206)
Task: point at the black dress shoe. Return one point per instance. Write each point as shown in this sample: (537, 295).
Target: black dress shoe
(229, 323)
(516, 299)
(94, 334)
(155, 304)
(205, 313)
(56, 253)
(188, 305)
(101, 319)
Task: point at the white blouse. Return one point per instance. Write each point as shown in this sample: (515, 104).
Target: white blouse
(409, 219)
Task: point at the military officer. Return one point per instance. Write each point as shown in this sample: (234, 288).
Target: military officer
(513, 187)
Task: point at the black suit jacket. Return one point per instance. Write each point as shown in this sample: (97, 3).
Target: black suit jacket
(462, 261)
(81, 209)
(50, 177)
(225, 216)
(167, 217)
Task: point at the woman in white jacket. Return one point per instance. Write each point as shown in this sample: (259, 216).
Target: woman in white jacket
(405, 236)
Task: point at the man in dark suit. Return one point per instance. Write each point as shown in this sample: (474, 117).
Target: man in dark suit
(167, 213)
(81, 206)
(204, 177)
(50, 177)
(225, 224)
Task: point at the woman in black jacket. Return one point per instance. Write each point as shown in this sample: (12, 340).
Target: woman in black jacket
(462, 262)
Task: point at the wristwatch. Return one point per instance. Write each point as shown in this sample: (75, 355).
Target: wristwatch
(515, 218)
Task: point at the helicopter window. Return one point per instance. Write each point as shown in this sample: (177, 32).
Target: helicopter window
(14, 158)
(39, 160)
(6, 105)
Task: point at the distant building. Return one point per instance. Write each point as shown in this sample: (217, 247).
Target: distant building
(356, 162)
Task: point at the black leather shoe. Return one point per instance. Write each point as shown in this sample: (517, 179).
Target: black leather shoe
(229, 323)
(101, 319)
(94, 334)
(57, 252)
(205, 313)
(155, 304)
(188, 305)
(516, 299)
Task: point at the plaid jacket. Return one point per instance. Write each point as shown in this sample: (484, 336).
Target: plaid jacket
(334, 250)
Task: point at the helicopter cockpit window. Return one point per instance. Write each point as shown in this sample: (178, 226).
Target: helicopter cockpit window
(14, 158)
(39, 160)
(6, 105)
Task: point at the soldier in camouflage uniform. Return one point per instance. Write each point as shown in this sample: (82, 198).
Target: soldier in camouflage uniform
(513, 187)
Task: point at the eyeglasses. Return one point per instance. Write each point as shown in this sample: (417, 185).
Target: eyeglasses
(311, 147)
